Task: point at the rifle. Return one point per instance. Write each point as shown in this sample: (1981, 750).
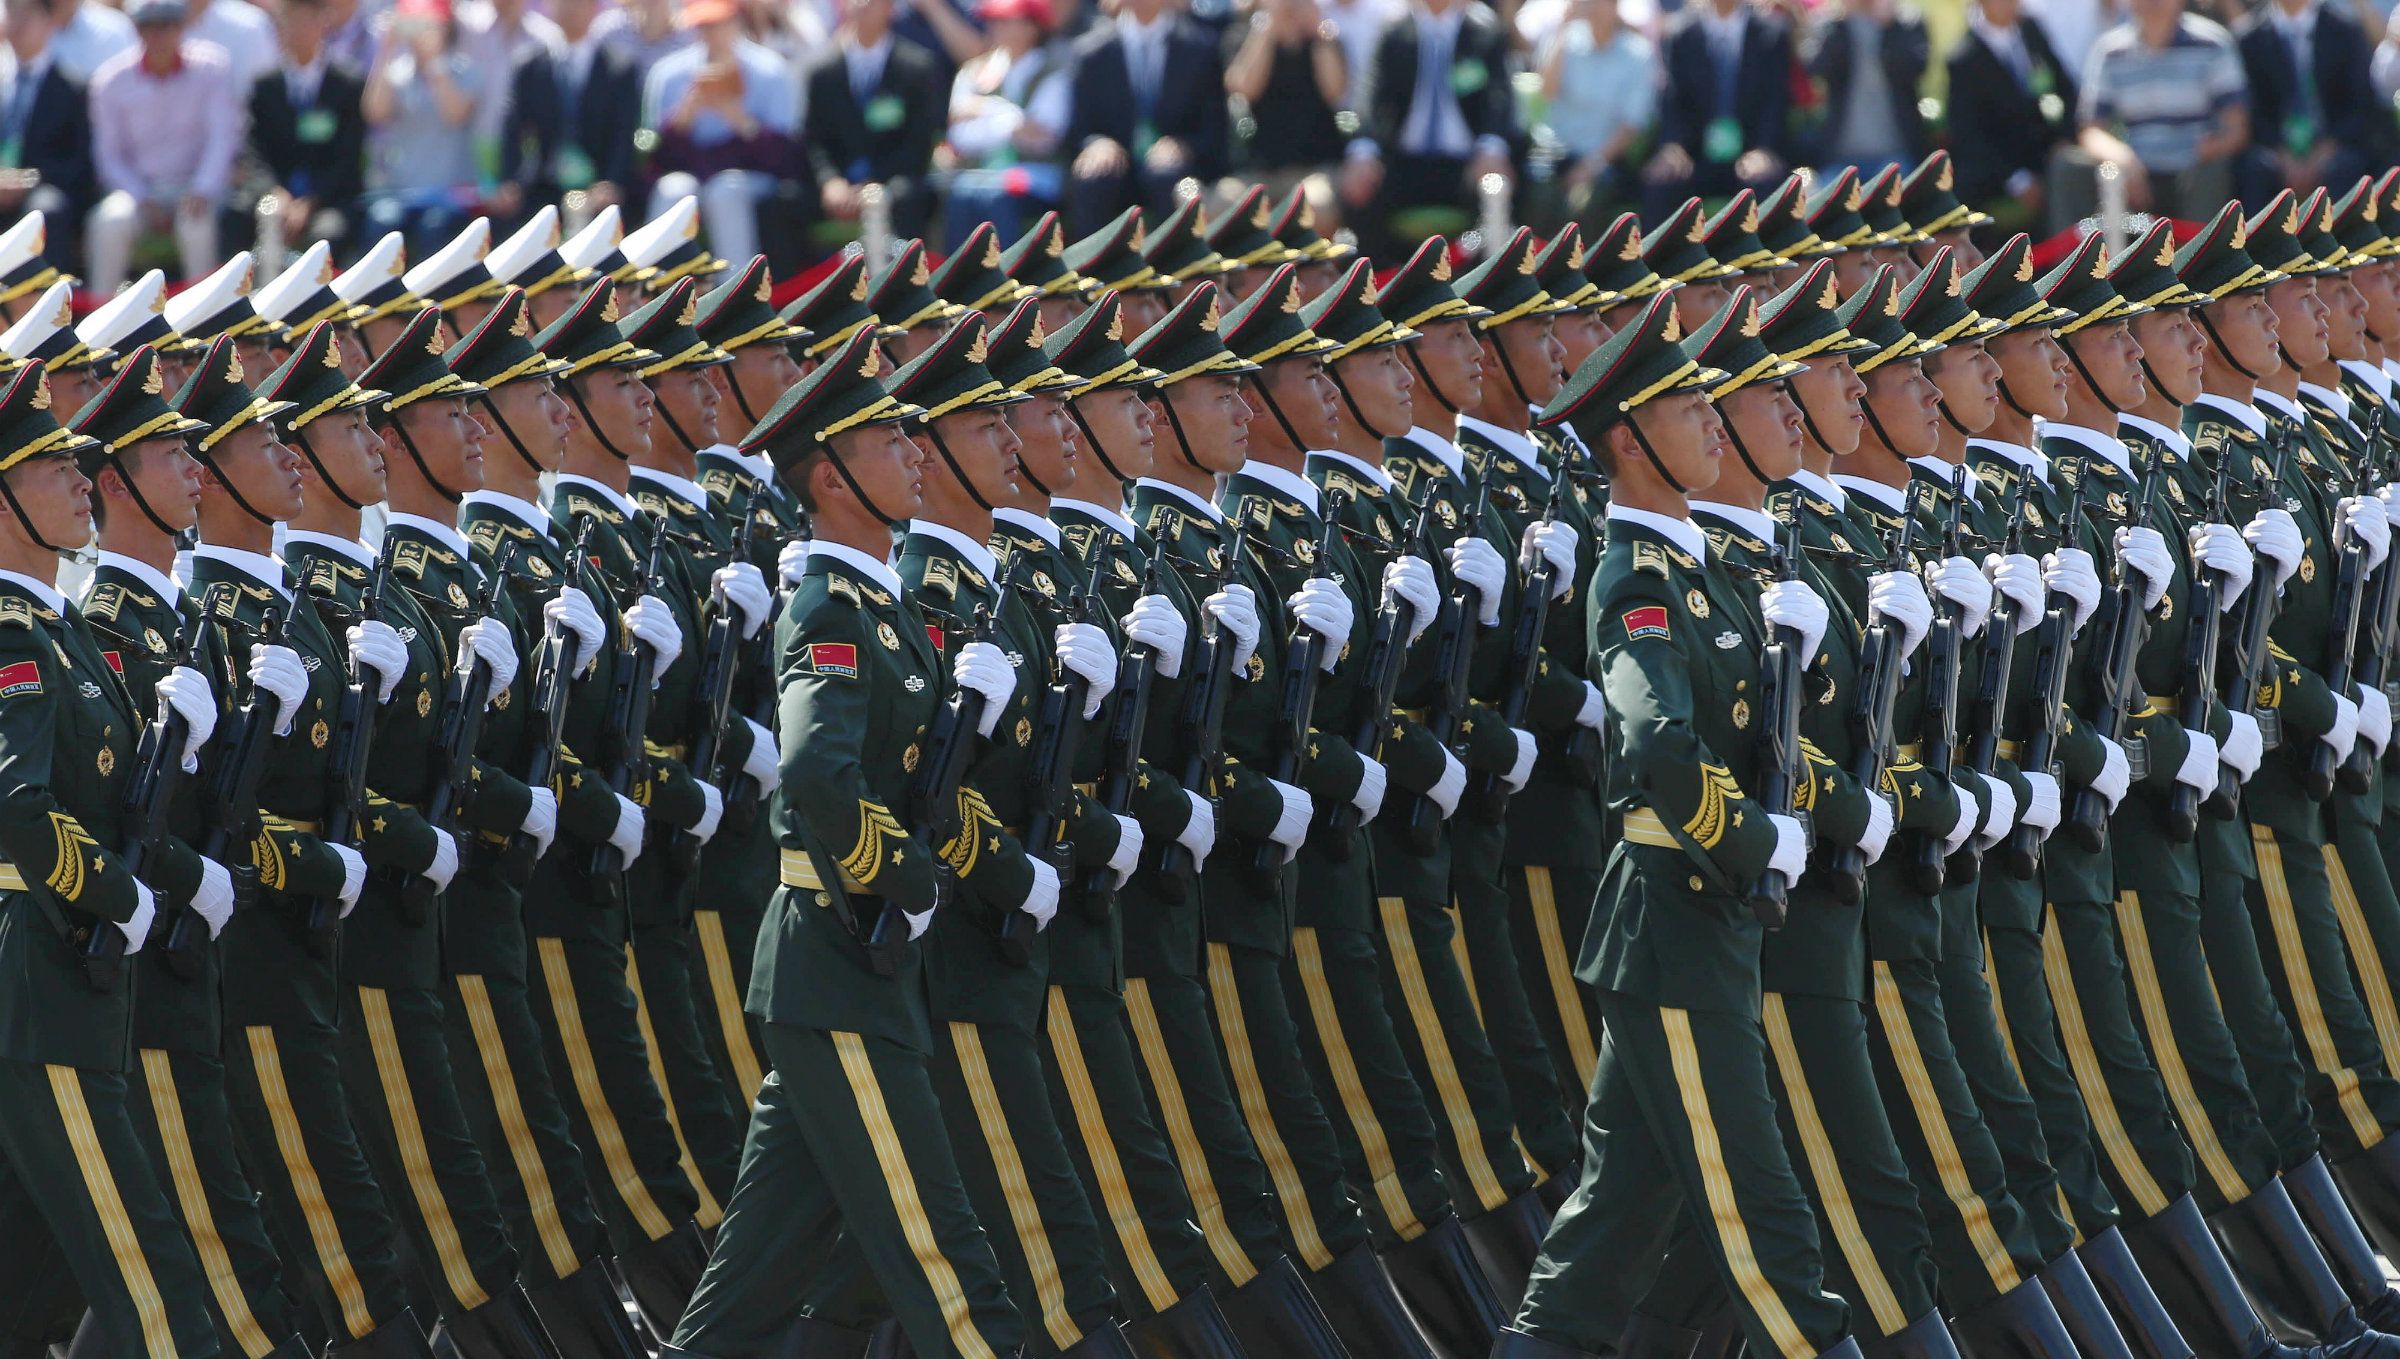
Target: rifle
(229, 814)
(149, 798)
(1050, 772)
(1927, 871)
(2349, 597)
(1880, 666)
(1095, 893)
(2258, 618)
(353, 741)
(1984, 713)
(628, 719)
(720, 665)
(553, 680)
(933, 793)
(1454, 659)
(1387, 649)
(2087, 819)
(1296, 700)
(2052, 661)
(1202, 721)
(2201, 645)
(2375, 667)
(1486, 796)
(1780, 701)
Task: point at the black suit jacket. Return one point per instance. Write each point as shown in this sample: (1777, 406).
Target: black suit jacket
(1190, 105)
(1903, 54)
(1480, 55)
(57, 138)
(2347, 110)
(837, 138)
(606, 118)
(1996, 123)
(331, 170)
(1763, 89)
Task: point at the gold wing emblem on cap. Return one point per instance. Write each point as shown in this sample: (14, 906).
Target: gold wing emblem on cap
(1698, 235)
(1056, 246)
(2291, 220)
(691, 228)
(2166, 250)
(325, 272)
(1631, 249)
(1133, 238)
(991, 252)
(152, 383)
(1941, 178)
(920, 276)
(233, 366)
(874, 361)
(2241, 232)
(1441, 266)
(1291, 297)
(1856, 199)
(1750, 219)
(1116, 324)
(1209, 321)
(333, 350)
(523, 325)
(1891, 302)
(41, 391)
(249, 276)
(2100, 264)
(1034, 338)
(399, 263)
(977, 351)
(2325, 217)
(1674, 327)
(158, 304)
(608, 306)
(2025, 266)
(1525, 260)
(1958, 279)
(1750, 326)
(433, 341)
(766, 287)
(1833, 292)
(66, 314)
(858, 286)
(1575, 256)
(1259, 216)
(691, 309)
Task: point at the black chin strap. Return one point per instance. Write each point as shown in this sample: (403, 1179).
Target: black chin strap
(26, 522)
(965, 482)
(238, 498)
(2005, 395)
(1867, 407)
(453, 497)
(1943, 405)
(2066, 343)
(1509, 366)
(327, 477)
(2150, 375)
(1652, 454)
(125, 474)
(1183, 446)
(1424, 373)
(1743, 451)
(1298, 444)
(2200, 314)
(1099, 450)
(740, 401)
(575, 394)
(676, 427)
(1361, 416)
(857, 490)
(1808, 421)
(501, 423)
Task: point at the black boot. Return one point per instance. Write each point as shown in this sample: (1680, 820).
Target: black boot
(2371, 1179)
(2283, 1269)
(2141, 1318)
(2327, 1214)
(1515, 1344)
(2079, 1307)
(1647, 1337)
(1364, 1307)
(506, 1327)
(399, 1338)
(586, 1317)
(1445, 1287)
(2192, 1279)
(1276, 1318)
(661, 1275)
(890, 1342)
(812, 1339)
(1506, 1240)
(1928, 1337)
(2019, 1324)
(1194, 1328)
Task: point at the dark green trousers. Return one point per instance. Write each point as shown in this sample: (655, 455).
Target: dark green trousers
(1484, 940)
(702, 1110)
(848, 1170)
(2369, 914)
(2142, 1152)
(1680, 1137)
(2010, 1115)
(2271, 1061)
(1548, 909)
(2021, 1006)
(724, 943)
(2354, 1098)
(186, 1125)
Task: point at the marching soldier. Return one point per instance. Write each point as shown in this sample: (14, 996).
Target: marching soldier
(1039, 261)
(1112, 259)
(913, 316)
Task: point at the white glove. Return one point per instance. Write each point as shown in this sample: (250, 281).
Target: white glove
(2345, 726)
(791, 562)
(1791, 847)
(1528, 749)
(918, 923)
(1041, 899)
(2199, 768)
(1236, 609)
(1410, 581)
(2374, 719)
(489, 641)
(1322, 608)
(2069, 572)
(445, 861)
(1157, 624)
(186, 691)
(1792, 604)
(632, 821)
(1898, 597)
(1594, 712)
(1970, 813)
(1447, 789)
(1373, 779)
(1291, 828)
(571, 612)
(2275, 535)
(2144, 551)
(145, 910)
(2043, 805)
(276, 671)
(376, 646)
(1960, 581)
(213, 898)
(2219, 548)
(1878, 833)
(652, 621)
(541, 820)
(1199, 835)
(1083, 650)
(354, 876)
(2364, 515)
(2003, 801)
(2115, 774)
(745, 589)
(2242, 746)
(712, 813)
(1477, 563)
(2017, 578)
(983, 668)
(763, 766)
(1129, 850)
(2389, 494)
(1554, 543)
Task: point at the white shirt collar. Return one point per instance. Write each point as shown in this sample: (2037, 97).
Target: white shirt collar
(1439, 447)
(1508, 441)
(1283, 479)
(435, 529)
(2250, 417)
(2172, 438)
(2018, 454)
(2392, 366)
(1681, 532)
(668, 481)
(1891, 498)
(1823, 487)
(755, 464)
(2280, 404)
(41, 590)
(1206, 508)
(2107, 446)
(1381, 479)
(532, 515)
(1133, 30)
(870, 567)
(2334, 400)
(616, 498)
(2371, 375)
(1756, 523)
(1106, 514)
(169, 588)
(1948, 472)
(1030, 523)
(266, 570)
(974, 554)
(356, 551)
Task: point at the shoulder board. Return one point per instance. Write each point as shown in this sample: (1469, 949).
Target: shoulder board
(16, 611)
(941, 577)
(1166, 523)
(1082, 539)
(580, 504)
(410, 559)
(718, 481)
(105, 601)
(323, 577)
(1721, 539)
(1476, 454)
(485, 533)
(1652, 557)
(840, 586)
(1781, 504)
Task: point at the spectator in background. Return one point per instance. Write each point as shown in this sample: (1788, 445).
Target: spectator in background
(166, 122)
(85, 34)
(726, 111)
(1291, 72)
(938, 27)
(1725, 110)
(350, 36)
(793, 31)
(1148, 110)
(2384, 68)
(572, 113)
(1602, 103)
(1008, 118)
(2165, 98)
(45, 130)
(307, 129)
(239, 27)
(2314, 114)
(2012, 110)
(644, 30)
(877, 106)
(1439, 115)
(1869, 57)
(424, 102)
(2072, 26)
(1359, 25)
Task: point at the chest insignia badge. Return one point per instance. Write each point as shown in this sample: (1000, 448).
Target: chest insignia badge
(889, 638)
(909, 757)
(2308, 568)
(424, 702)
(1024, 731)
(458, 595)
(1727, 641)
(1697, 603)
(915, 684)
(88, 689)
(152, 640)
(1741, 714)
(319, 734)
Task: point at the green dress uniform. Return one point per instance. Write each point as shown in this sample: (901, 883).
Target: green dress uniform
(849, 1185)
(71, 1159)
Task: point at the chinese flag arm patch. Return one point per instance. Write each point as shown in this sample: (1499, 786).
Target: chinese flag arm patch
(833, 658)
(24, 677)
(1650, 621)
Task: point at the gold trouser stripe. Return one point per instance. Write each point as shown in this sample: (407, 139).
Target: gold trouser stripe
(2008, 1040)
(1024, 1213)
(1724, 1211)
(191, 1197)
(1233, 1026)
(1389, 1192)
(1565, 993)
(1091, 1120)
(726, 991)
(559, 980)
(100, 1185)
(709, 1214)
(1401, 940)
(541, 1202)
(1825, 1168)
(1934, 1122)
(324, 1234)
(2076, 1037)
(1198, 1180)
(2302, 983)
(1643, 826)
(2198, 1128)
(1459, 955)
(892, 1158)
(2367, 964)
(400, 1103)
